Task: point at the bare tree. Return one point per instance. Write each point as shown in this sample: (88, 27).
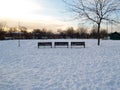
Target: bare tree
(2, 32)
(22, 28)
(2, 25)
(82, 32)
(70, 32)
(96, 11)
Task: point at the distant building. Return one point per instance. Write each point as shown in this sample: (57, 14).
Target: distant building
(106, 38)
(115, 36)
(9, 38)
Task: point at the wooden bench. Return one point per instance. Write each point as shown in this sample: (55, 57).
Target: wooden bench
(45, 44)
(61, 44)
(77, 44)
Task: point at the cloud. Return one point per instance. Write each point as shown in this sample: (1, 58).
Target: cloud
(17, 8)
(33, 14)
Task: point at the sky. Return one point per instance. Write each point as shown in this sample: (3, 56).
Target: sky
(51, 14)
(38, 14)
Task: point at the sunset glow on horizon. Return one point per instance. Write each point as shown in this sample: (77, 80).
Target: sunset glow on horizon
(45, 14)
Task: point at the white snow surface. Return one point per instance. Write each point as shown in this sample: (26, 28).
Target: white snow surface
(29, 68)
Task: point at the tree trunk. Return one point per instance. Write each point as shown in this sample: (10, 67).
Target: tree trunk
(98, 34)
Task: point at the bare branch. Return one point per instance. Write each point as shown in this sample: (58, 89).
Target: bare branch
(96, 10)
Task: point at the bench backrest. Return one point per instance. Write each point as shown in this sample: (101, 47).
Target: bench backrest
(77, 43)
(61, 43)
(44, 43)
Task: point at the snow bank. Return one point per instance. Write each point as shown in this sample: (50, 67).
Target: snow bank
(29, 68)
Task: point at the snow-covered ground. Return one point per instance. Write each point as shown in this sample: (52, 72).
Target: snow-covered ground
(29, 68)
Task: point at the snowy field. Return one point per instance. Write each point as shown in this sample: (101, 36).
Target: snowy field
(29, 68)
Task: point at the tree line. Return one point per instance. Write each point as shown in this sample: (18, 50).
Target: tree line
(79, 33)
